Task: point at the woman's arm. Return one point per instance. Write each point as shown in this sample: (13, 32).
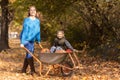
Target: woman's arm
(38, 36)
(24, 33)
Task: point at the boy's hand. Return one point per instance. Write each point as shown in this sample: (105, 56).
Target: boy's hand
(78, 51)
(75, 50)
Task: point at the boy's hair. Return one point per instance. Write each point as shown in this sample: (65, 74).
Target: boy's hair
(60, 31)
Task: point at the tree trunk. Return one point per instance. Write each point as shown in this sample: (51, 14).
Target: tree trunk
(4, 25)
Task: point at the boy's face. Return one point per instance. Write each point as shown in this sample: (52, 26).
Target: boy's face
(60, 35)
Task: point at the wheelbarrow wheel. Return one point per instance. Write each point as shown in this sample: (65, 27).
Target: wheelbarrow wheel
(66, 72)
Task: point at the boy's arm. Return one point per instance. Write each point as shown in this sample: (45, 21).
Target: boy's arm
(68, 45)
(55, 42)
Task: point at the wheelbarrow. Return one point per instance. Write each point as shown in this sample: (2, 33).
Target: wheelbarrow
(67, 66)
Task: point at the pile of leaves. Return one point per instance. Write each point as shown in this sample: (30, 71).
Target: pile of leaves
(91, 68)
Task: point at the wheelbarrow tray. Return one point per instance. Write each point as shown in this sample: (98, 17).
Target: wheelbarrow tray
(52, 58)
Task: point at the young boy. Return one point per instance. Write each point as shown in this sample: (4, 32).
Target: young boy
(61, 44)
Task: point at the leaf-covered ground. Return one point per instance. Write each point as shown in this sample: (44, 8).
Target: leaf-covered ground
(92, 68)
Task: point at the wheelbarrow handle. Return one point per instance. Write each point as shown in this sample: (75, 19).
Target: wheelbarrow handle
(32, 55)
(81, 51)
(40, 46)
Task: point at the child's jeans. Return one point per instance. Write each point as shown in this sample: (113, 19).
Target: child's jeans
(30, 47)
(53, 49)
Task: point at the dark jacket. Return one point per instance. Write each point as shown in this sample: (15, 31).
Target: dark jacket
(63, 43)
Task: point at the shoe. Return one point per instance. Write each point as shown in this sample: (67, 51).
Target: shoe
(25, 65)
(31, 63)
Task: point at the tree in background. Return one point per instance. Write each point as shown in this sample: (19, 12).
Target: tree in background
(100, 20)
(95, 22)
(6, 17)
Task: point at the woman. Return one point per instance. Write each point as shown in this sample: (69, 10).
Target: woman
(30, 33)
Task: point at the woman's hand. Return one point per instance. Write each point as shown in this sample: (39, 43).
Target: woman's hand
(21, 45)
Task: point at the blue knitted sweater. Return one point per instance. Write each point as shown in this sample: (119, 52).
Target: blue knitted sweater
(30, 31)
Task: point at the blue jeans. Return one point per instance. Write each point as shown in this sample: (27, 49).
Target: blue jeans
(53, 49)
(30, 47)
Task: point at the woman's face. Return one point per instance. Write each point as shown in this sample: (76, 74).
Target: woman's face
(60, 35)
(32, 11)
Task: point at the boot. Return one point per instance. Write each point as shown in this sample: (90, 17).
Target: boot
(25, 65)
(31, 63)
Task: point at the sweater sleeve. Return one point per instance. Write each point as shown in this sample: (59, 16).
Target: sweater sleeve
(24, 33)
(38, 37)
(68, 45)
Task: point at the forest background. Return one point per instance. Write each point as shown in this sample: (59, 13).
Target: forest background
(95, 23)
